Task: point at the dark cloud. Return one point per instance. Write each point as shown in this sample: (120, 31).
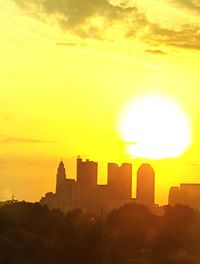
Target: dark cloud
(193, 5)
(76, 12)
(76, 15)
(7, 139)
(92, 19)
(187, 37)
(155, 51)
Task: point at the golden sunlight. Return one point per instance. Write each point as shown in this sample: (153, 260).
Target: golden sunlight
(154, 127)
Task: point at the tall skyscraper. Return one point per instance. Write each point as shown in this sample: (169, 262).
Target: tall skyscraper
(120, 181)
(60, 177)
(87, 182)
(66, 196)
(146, 185)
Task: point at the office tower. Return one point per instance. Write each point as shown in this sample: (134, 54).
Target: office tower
(87, 183)
(120, 181)
(145, 185)
(60, 177)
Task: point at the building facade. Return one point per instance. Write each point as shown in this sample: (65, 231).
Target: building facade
(145, 192)
(120, 181)
(186, 194)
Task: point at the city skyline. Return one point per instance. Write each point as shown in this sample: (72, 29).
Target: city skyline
(85, 193)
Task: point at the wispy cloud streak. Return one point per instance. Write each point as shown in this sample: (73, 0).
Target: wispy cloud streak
(8, 140)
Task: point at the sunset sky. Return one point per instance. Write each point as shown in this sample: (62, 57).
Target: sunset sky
(69, 67)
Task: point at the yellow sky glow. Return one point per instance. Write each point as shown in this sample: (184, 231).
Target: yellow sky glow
(58, 101)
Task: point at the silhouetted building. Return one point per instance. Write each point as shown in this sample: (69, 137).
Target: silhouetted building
(66, 196)
(60, 177)
(85, 193)
(174, 196)
(120, 181)
(186, 194)
(50, 200)
(145, 185)
(87, 183)
(86, 177)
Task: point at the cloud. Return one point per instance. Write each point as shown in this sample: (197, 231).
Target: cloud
(100, 19)
(88, 18)
(192, 5)
(155, 51)
(66, 44)
(188, 37)
(7, 140)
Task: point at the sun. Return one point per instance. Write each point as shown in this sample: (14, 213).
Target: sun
(154, 127)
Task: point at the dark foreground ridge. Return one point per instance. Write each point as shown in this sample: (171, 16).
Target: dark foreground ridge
(31, 233)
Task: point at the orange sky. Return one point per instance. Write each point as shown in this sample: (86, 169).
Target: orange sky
(58, 101)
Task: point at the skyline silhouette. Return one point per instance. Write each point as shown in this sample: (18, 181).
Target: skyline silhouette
(85, 193)
(186, 194)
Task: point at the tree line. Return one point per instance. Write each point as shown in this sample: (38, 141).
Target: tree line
(33, 234)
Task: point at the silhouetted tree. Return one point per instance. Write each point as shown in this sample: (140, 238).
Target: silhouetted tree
(31, 233)
(130, 231)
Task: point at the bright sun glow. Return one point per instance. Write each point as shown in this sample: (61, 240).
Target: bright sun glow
(155, 127)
